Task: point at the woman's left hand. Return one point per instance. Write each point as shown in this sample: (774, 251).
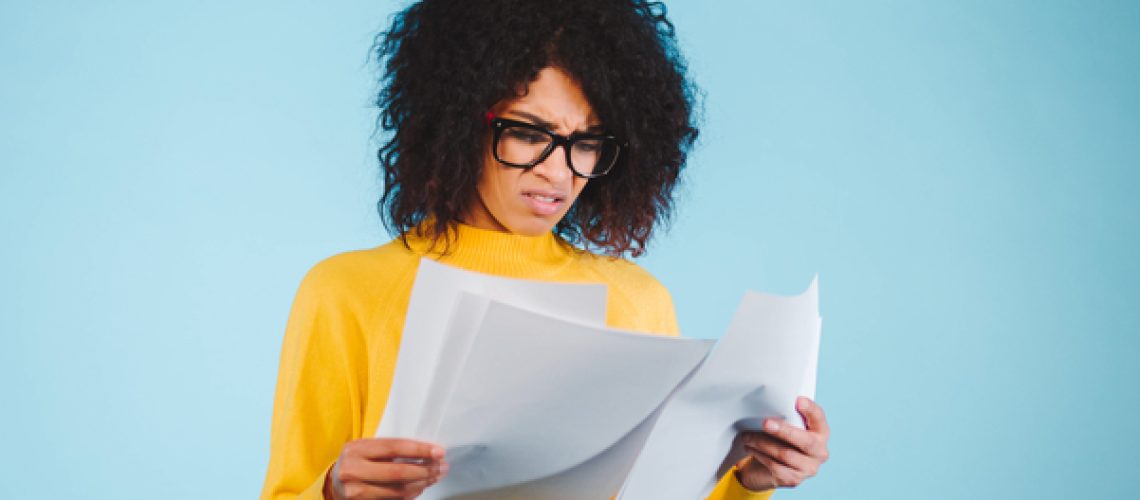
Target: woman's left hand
(784, 455)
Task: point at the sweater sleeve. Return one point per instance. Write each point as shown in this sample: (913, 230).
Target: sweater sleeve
(729, 488)
(314, 387)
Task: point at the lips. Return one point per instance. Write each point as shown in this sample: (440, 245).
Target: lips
(543, 202)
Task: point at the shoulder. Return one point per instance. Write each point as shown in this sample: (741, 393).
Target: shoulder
(624, 274)
(637, 299)
(359, 275)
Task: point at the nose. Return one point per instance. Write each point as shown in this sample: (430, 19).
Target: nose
(554, 168)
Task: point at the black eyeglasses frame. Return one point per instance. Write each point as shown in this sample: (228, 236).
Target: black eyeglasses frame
(498, 124)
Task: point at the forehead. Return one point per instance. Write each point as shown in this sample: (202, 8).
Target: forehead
(556, 98)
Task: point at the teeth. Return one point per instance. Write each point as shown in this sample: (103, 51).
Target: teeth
(542, 198)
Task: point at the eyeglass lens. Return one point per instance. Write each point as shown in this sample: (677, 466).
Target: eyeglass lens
(523, 146)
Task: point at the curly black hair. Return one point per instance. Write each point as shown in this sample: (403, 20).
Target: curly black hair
(446, 63)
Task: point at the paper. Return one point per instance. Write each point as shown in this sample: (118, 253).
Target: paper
(593, 479)
(765, 360)
(433, 298)
(534, 398)
(539, 396)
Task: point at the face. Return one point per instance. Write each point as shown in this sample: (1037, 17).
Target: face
(531, 201)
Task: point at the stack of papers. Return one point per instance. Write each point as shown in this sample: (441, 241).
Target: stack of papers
(534, 397)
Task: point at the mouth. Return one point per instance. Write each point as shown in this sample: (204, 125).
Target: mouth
(544, 202)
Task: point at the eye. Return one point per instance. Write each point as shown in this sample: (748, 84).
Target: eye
(525, 135)
(588, 146)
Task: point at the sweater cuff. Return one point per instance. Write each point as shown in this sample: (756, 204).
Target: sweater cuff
(729, 488)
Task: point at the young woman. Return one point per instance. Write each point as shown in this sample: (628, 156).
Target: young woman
(529, 139)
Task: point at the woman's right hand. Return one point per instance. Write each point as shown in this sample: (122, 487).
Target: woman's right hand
(384, 468)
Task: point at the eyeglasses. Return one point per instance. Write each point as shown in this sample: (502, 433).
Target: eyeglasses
(524, 145)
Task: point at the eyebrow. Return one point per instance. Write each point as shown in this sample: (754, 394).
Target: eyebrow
(593, 129)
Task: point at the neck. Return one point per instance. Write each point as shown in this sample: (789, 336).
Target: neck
(495, 252)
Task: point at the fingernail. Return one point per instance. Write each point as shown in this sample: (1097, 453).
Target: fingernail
(803, 404)
(771, 426)
(443, 469)
(437, 452)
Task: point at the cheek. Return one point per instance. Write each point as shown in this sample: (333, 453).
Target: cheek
(488, 183)
(579, 185)
(496, 186)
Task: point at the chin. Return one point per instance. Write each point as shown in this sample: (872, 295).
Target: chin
(532, 226)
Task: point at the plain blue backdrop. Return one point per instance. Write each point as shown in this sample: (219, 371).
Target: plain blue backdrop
(963, 176)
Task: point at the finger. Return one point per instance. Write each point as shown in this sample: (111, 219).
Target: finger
(438, 470)
(780, 452)
(813, 415)
(782, 475)
(386, 472)
(391, 448)
(413, 490)
(367, 491)
(806, 441)
(416, 488)
(402, 491)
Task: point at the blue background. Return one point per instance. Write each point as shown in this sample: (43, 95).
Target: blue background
(962, 175)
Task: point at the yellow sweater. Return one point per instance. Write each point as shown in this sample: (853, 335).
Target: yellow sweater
(343, 334)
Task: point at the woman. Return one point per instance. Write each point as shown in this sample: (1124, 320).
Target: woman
(529, 139)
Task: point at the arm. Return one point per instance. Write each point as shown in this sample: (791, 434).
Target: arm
(317, 410)
(314, 412)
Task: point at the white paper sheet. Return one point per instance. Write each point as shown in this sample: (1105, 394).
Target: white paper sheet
(535, 399)
(765, 360)
(539, 397)
(433, 298)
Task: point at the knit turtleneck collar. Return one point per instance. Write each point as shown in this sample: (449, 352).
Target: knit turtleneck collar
(497, 252)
